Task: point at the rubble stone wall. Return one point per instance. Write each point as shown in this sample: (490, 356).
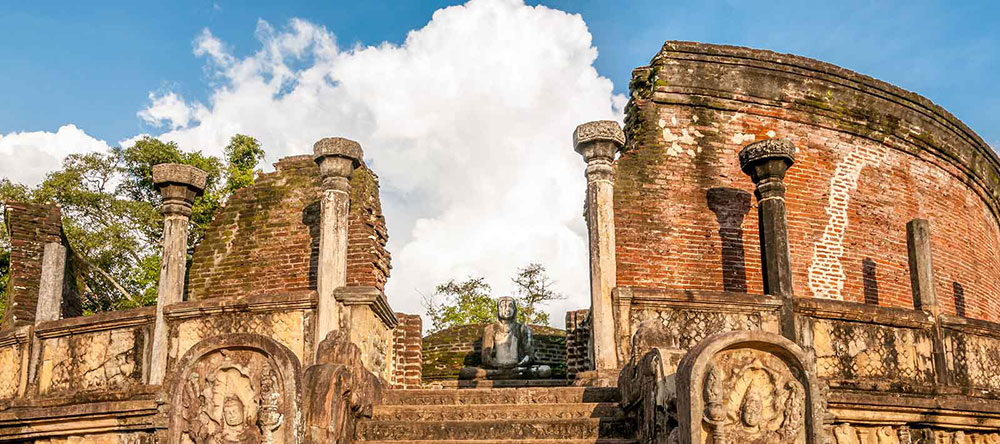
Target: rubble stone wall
(407, 345)
(266, 239)
(870, 158)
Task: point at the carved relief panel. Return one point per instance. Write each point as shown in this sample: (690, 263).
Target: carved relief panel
(241, 393)
(747, 388)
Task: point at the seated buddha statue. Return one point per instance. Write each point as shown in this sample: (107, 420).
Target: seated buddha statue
(508, 350)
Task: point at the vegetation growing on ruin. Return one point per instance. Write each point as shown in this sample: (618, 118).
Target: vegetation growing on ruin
(111, 215)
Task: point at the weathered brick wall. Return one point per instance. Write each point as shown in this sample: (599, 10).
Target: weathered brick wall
(577, 341)
(266, 239)
(406, 351)
(447, 351)
(870, 158)
(30, 228)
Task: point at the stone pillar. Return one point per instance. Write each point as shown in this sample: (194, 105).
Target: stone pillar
(918, 248)
(766, 163)
(337, 158)
(598, 142)
(50, 287)
(179, 185)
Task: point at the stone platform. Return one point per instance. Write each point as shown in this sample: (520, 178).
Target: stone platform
(549, 414)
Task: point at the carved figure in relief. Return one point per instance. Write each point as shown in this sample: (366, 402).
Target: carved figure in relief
(269, 418)
(236, 427)
(508, 350)
(886, 435)
(224, 404)
(751, 398)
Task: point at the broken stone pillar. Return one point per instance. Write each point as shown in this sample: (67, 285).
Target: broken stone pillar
(50, 288)
(598, 142)
(337, 158)
(918, 247)
(766, 162)
(179, 185)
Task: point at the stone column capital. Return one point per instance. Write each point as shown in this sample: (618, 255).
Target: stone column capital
(179, 185)
(598, 140)
(337, 158)
(767, 158)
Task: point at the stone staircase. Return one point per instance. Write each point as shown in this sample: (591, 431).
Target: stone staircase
(498, 414)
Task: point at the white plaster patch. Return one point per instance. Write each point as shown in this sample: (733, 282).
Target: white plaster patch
(740, 138)
(771, 134)
(661, 123)
(826, 273)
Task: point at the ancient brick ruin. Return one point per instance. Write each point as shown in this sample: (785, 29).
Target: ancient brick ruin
(781, 251)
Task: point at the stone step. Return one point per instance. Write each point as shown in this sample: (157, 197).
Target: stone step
(501, 383)
(517, 441)
(372, 430)
(495, 412)
(533, 395)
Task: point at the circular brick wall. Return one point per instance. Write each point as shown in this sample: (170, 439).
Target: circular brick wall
(447, 351)
(870, 158)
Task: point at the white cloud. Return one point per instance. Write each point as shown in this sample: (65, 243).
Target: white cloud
(468, 124)
(169, 110)
(26, 157)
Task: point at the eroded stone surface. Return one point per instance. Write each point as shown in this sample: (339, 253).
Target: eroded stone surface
(103, 360)
(285, 327)
(10, 368)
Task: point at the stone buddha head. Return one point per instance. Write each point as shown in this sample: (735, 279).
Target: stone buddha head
(506, 309)
(232, 411)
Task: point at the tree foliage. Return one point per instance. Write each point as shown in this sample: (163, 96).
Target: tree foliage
(111, 214)
(469, 301)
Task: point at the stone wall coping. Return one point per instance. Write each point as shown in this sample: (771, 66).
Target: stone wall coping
(19, 335)
(902, 408)
(974, 326)
(300, 300)
(39, 421)
(98, 322)
(854, 311)
(179, 174)
(976, 159)
(370, 296)
(720, 300)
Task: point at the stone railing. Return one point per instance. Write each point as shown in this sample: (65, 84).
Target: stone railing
(865, 347)
(101, 353)
(972, 355)
(906, 364)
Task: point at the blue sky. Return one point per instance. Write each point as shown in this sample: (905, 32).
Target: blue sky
(464, 112)
(93, 65)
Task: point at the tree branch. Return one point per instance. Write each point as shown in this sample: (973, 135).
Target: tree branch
(105, 274)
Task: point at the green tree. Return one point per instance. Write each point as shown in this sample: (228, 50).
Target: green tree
(533, 287)
(111, 212)
(469, 301)
(466, 302)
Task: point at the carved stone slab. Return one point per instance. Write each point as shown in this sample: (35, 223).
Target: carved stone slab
(236, 388)
(748, 387)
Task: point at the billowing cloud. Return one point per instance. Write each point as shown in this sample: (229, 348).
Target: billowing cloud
(27, 156)
(468, 124)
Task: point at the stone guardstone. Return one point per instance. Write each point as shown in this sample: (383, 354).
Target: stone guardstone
(235, 388)
(748, 387)
(508, 350)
